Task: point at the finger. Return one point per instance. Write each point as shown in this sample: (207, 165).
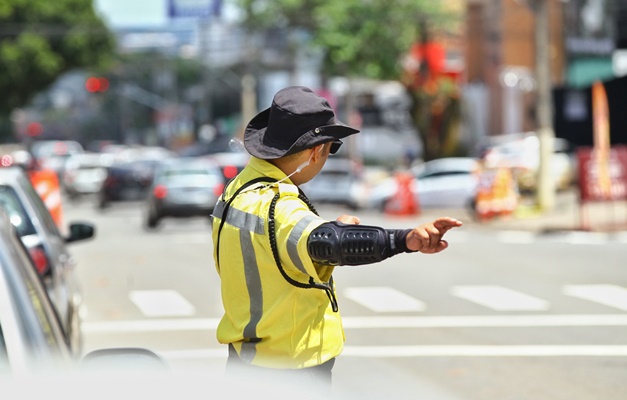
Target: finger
(447, 223)
(435, 235)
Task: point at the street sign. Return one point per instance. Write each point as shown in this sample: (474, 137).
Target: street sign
(194, 8)
(594, 189)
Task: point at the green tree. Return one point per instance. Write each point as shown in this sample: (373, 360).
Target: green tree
(361, 38)
(42, 39)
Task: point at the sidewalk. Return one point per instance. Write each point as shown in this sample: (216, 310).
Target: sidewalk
(567, 215)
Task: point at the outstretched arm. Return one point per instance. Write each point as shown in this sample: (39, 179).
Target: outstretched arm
(338, 243)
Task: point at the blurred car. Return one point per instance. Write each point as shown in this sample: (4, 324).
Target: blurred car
(84, 173)
(126, 181)
(47, 247)
(31, 334)
(338, 182)
(521, 154)
(32, 340)
(449, 182)
(52, 154)
(184, 187)
(231, 163)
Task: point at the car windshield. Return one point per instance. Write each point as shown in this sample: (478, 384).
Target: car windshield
(10, 201)
(189, 171)
(55, 148)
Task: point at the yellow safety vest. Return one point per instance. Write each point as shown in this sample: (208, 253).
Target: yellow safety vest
(272, 314)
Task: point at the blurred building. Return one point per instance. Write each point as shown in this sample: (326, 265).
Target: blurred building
(500, 61)
(588, 42)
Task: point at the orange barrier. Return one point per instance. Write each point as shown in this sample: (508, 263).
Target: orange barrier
(46, 183)
(497, 194)
(403, 202)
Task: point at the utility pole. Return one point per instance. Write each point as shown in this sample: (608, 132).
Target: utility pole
(544, 106)
(206, 115)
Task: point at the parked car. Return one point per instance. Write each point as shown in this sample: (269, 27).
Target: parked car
(449, 182)
(31, 333)
(32, 337)
(47, 246)
(126, 181)
(84, 173)
(231, 163)
(338, 182)
(184, 187)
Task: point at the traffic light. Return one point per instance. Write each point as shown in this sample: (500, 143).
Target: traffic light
(95, 84)
(34, 129)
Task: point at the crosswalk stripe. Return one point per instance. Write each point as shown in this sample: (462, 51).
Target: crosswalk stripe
(499, 298)
(592, 238)
(608, 295)
(516, 237)
(162, 303)
(384, 299)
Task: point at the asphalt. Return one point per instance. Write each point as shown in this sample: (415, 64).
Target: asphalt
(568, 214)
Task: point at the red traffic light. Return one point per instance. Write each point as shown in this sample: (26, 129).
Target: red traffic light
(34, 129)
(96, 84)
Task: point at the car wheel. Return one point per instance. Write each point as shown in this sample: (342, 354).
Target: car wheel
(352, 206)
(153, 220)
(102, 202)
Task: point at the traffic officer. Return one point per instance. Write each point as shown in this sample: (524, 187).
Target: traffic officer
(275, 255)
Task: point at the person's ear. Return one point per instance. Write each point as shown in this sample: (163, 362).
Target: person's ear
(318, 151)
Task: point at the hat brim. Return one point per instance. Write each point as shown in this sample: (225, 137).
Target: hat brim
(258, 126)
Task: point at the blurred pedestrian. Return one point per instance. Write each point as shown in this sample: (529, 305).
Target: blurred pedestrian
(275, 255)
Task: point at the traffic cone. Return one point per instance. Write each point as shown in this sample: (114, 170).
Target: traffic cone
(403, 202)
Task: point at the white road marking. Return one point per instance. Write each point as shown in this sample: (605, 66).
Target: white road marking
(480, 321)
(384, 299)
(384, 322)
(499, 298)
(437, 351)
(593, 238)
(162, 303)
(608, 295)
(487, 351)
(516, 237)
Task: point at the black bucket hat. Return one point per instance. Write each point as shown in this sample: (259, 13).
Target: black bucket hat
(298, 119)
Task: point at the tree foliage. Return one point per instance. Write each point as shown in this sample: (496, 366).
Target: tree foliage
(371, 38)
(357, 37)
(42, 39)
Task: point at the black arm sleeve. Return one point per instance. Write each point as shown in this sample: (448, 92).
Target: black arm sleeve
(336, 243)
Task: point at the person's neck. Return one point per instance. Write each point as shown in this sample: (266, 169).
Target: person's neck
(288, 166)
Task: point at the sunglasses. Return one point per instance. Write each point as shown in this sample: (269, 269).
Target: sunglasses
(335, 146)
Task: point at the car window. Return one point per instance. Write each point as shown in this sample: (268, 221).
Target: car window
(10, 201)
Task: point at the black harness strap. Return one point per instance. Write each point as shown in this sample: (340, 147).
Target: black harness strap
(327, 287)
(227, 205)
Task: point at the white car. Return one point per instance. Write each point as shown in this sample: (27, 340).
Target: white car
(449, 182)
(84, 173)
